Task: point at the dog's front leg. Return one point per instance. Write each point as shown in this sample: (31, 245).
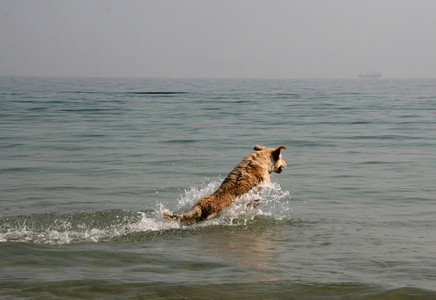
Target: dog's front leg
(257, 193)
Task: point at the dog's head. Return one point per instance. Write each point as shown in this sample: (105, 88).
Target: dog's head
(277, 163)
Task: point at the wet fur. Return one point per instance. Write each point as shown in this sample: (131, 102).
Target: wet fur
(253, 170)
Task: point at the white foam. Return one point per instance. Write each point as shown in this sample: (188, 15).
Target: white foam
(79, 228)
(273, 202)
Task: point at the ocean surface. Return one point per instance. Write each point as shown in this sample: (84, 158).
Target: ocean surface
(88, 165)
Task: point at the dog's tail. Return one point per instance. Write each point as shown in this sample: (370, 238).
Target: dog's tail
(191, 217)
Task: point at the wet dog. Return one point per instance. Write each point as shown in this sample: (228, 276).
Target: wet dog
(253, 170)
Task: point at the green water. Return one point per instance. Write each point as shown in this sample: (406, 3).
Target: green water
(88, 166)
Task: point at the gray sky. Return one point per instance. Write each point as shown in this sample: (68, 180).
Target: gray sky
(218, 38)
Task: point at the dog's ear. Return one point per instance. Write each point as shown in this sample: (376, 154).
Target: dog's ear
(276, 153)
(258, 148)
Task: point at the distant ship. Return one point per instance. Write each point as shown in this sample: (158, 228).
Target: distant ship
(370, 75)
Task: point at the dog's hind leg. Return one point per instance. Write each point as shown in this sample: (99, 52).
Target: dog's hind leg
(191, 217)
(171, 217)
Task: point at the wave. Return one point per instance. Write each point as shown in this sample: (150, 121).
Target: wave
(157, 93)
(145, 93)
(125, 225)
(277, 289)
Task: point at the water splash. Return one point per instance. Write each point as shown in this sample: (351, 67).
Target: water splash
(194, 194)
(274, 203)
(106, 226)
(100, 226)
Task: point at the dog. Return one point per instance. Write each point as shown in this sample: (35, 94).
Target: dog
(253, 170)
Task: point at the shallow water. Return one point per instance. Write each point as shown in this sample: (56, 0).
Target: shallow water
(89, 165)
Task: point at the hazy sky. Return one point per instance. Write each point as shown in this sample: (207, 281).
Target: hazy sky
(218, 38)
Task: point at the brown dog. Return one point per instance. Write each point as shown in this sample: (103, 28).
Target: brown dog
(248, 174)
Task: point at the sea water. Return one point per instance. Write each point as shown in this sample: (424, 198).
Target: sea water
(88, 165)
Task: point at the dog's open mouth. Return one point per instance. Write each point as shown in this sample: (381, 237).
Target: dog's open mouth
(280, 170)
